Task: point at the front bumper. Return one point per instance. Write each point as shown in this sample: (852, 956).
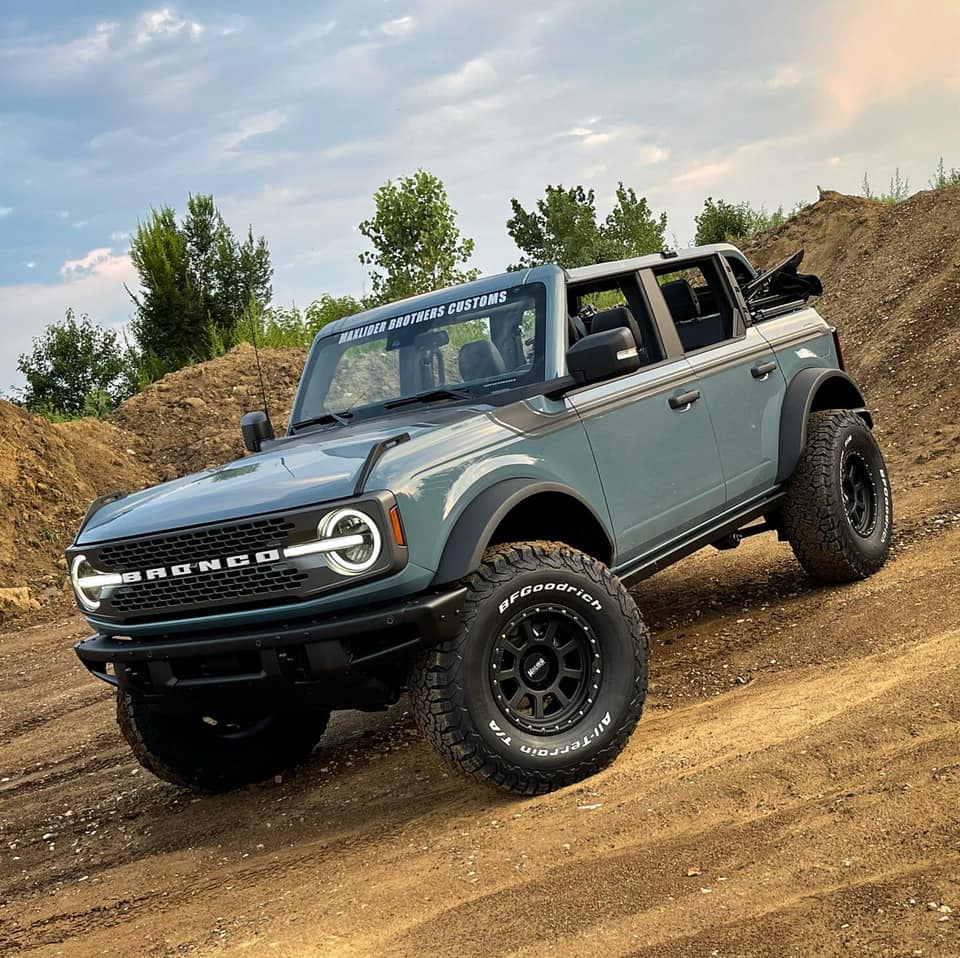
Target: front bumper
(342, 661)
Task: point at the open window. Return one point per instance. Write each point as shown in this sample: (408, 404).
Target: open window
(699, 303)
(610, 302)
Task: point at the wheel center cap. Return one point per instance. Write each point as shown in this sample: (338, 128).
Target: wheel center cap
(538, 668)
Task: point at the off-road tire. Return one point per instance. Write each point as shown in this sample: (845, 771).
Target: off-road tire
(453, 687)
(184, 749)
(815, 519)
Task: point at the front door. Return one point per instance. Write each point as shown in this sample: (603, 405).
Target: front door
(656, 452)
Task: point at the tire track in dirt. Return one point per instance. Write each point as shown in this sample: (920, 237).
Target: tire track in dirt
(844, 750)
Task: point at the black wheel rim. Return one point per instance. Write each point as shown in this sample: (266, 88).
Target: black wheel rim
(234, 728)
(545, 669)
(859, 494)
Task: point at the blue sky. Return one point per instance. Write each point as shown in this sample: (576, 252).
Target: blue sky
(292, 114)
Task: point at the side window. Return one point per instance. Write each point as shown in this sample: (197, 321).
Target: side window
(698, 303)
(613, 302)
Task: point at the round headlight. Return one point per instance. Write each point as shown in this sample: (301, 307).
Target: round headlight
(357, 526)
(86, 583)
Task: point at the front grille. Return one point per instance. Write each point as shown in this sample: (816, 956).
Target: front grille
(192, 545)
(246, 584)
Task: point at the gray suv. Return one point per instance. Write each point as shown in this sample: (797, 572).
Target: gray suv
(470, 481)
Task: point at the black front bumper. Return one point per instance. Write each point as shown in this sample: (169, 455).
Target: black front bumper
(350, 660)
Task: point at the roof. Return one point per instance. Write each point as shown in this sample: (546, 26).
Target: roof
(487, 284)
(600, 270)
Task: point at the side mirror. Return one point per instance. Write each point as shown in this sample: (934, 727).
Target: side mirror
(604, 355)
(256, 430)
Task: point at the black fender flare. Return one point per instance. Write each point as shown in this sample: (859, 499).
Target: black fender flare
(473, 530)
(799, 402)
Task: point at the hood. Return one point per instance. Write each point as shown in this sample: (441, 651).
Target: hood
(298, 471)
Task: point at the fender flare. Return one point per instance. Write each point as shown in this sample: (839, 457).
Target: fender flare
(474, 529)
(799, 402)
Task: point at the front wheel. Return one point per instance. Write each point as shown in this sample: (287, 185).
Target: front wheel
(838, 515)
(547, 678)
(217, 752)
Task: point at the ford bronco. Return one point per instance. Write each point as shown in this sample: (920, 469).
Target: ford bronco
(469, 482)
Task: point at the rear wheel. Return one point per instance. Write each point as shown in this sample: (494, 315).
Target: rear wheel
(547, 678)
(217, 752)
(838, 515)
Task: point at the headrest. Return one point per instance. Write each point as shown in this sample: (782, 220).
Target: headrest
(681, 300)
(619, 317)
(480, 360)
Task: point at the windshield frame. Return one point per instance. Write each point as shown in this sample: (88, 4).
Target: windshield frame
(534, 381)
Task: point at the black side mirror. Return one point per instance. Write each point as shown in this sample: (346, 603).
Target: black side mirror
(604, 355)
(256, 430)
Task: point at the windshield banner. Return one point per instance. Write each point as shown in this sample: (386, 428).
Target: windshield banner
(455, 308)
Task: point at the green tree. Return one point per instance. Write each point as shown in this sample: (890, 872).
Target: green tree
(723, 222)
(630, 228)
(196, 279)
(417, 246)
(563, 228)
(75, 368)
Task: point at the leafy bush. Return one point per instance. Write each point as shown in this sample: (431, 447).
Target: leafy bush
(723, 222)
(279, 327)
(76, 368)
(898, 192)
(944, 177)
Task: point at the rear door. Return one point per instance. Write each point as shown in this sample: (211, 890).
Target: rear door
(742, 385)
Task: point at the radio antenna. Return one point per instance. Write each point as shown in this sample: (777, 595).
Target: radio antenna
(256, 352)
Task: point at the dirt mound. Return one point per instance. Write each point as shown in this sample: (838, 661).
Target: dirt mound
(190, 419)
(892, 287)
(49, 473)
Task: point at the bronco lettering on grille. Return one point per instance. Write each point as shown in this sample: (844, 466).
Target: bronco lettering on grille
(203, 565)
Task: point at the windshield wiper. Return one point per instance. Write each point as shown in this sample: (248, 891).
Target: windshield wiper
(444, 392)
(343, 418)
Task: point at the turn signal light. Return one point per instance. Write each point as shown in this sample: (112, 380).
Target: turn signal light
(397, 526)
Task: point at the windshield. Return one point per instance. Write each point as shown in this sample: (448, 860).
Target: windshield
(462, 347)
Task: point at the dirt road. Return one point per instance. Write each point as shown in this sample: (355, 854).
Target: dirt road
(793, 789)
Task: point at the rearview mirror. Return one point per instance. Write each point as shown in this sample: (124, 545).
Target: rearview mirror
(256, 429)
(604, 355)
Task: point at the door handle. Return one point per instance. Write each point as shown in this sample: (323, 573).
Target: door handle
(684, 400)
(763, 370)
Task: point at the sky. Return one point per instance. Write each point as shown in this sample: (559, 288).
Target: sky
(292, 114)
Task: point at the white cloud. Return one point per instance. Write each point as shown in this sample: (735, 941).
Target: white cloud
(92, 47)
(155, 24)
(397, 28)
(250, 127)
(592, 141)
(97, 259)
(650, 154)
(64, 214)
(119, 236)
(785, 77)
(473, 76)
(5, 211)
(30, 265)
(833, 161)
(703, 174)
